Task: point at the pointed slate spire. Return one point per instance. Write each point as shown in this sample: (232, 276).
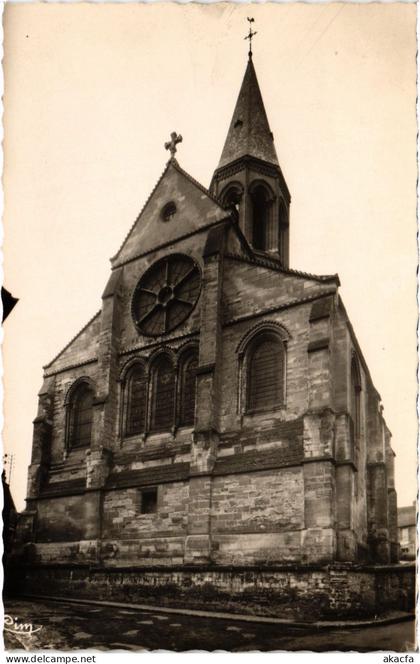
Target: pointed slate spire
(249, 132)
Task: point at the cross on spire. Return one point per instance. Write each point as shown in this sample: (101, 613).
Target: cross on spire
(250, 35)
(171, 145)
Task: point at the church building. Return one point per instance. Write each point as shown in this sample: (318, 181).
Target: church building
(213, 431)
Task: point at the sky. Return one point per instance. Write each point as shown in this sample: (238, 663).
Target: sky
(92, 92)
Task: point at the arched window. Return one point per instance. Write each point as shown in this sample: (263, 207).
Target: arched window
(265, 374)
(355, 390)
(188, 370)
(80, 415)
(135, 395)
(163, 395)
(232, 195)
(261, 205)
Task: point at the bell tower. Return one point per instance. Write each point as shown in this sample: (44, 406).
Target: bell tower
(249, 177)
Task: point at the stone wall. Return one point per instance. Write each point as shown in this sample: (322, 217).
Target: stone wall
(311, 593)
(257, 517)
(69, 518)
(132, 537)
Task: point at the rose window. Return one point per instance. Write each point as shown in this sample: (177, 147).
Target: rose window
(166, 295)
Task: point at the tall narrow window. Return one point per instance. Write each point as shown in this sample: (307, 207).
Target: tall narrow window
(283, 226)
(187, 405)
(135, 401)
(266, 374)
(355, 396)
(260, 217)
(163, 400)
(81, 415)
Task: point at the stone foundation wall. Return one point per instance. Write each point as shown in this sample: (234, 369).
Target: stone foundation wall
(307, 593)
(271, 547)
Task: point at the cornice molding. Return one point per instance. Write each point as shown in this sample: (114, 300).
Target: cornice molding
(273, 264)
(280, 307)
(169, 342)
(257, 165)
(68, 367)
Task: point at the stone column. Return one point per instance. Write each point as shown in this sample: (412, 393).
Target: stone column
(344, 453)
(203, 456)
(284, 243)
(378, 499)
(41, 440)
(204, 446)
(392, 503)
(378, 534)
(99, 456)
(345, 489)
(272, 227)
(107, 368)
(319, 541)
(26, 521)
(105, 404)
(98, 464)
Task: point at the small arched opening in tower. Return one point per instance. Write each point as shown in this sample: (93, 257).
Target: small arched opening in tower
(261, 205)
(283, 232)
(232, 196)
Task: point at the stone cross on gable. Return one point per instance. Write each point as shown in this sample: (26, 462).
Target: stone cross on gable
(171, 145)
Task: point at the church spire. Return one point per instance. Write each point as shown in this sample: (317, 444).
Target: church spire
(249, 178)
(249, 132)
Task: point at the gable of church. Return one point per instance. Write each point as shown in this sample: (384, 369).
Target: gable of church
(177, 207)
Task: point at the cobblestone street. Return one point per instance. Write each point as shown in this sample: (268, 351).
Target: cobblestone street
(67, 626)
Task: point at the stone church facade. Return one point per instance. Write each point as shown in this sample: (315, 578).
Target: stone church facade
(216, 418)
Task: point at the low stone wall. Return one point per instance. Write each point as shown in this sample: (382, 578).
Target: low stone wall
(336, 591)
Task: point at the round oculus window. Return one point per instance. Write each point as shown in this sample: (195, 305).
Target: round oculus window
(166, 295)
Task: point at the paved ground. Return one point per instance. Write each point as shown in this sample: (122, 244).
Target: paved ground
(67, 626)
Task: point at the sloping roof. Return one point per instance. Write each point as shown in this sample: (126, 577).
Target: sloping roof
(197, 183)
(249, 132)
(46, 366)
(276, 265)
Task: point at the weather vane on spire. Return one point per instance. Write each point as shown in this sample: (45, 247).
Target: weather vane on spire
(250, 35)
